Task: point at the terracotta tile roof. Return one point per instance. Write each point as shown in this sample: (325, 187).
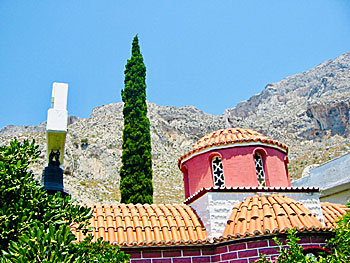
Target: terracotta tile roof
(269, 214)
(145, 225)
(253, 189)
(230, 136)
(332, 213)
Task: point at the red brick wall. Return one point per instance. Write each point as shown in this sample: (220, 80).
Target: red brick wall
(235, 251)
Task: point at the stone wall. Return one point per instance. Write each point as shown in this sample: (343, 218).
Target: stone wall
(215, 208)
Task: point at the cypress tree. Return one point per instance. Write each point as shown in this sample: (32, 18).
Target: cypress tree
(136, 170)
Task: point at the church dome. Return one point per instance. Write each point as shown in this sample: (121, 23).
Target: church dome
(269, 214)
(230, 137)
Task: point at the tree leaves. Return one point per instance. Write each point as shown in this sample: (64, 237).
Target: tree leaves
(136, 171)
(339, 244)
(34, 225)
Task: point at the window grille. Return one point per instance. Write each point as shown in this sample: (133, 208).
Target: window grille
(259, 169)
(218, 171)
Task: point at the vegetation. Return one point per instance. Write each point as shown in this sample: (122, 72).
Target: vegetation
(341, 241)
(35, 226)
(291, 253)
(339, 244)
(136, 171)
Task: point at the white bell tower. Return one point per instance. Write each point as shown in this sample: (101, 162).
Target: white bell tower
(56, 131)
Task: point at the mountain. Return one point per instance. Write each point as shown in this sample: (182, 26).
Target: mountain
(308, 111)
(315, 102)
(94, 146)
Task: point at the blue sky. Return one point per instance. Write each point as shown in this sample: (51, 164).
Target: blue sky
(210, 54)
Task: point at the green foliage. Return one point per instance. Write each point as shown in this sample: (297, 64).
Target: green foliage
(23, 200)
(136, 171)
(339, 243)
(34, 226)
(41, 244)
(292, 253)
(100, 251)
(56, 245)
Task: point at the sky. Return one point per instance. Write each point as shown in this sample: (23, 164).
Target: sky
(209, 54)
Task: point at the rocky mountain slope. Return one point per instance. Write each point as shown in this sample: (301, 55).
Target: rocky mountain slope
(309, 112)
(93, 149)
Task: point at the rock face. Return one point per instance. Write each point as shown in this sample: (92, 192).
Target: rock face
(307, 108)
(330, 119)
(309, 112)
(94, 146)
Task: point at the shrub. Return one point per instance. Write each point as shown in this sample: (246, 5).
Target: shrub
(34, 225)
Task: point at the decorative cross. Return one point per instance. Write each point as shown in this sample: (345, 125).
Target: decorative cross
(261, 181)
(217, 161)
(218, 173)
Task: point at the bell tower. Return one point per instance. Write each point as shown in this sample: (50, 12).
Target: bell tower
(56, 130)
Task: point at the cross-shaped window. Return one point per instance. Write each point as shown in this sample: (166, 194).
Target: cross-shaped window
(259, 169)
(218, 171)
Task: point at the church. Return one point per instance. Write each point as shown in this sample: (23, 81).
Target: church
(238, 197)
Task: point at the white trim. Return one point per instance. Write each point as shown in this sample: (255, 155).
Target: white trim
(225, 146)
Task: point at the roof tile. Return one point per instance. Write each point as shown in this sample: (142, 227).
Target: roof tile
(152, 225)
(159, 225)
(332, 212)
(268, 214)
(229, 136)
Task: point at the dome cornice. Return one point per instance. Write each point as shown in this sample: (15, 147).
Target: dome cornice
(230, 137)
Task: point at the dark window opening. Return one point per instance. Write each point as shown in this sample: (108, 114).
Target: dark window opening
(218, 171)
(259, 166)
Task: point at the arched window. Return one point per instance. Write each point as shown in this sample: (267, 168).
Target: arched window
(315, 252)
(259, 166)
(218, 171)
(186, 183)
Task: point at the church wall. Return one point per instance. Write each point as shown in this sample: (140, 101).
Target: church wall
(215, 208)
(244, 250)
(238, 166)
